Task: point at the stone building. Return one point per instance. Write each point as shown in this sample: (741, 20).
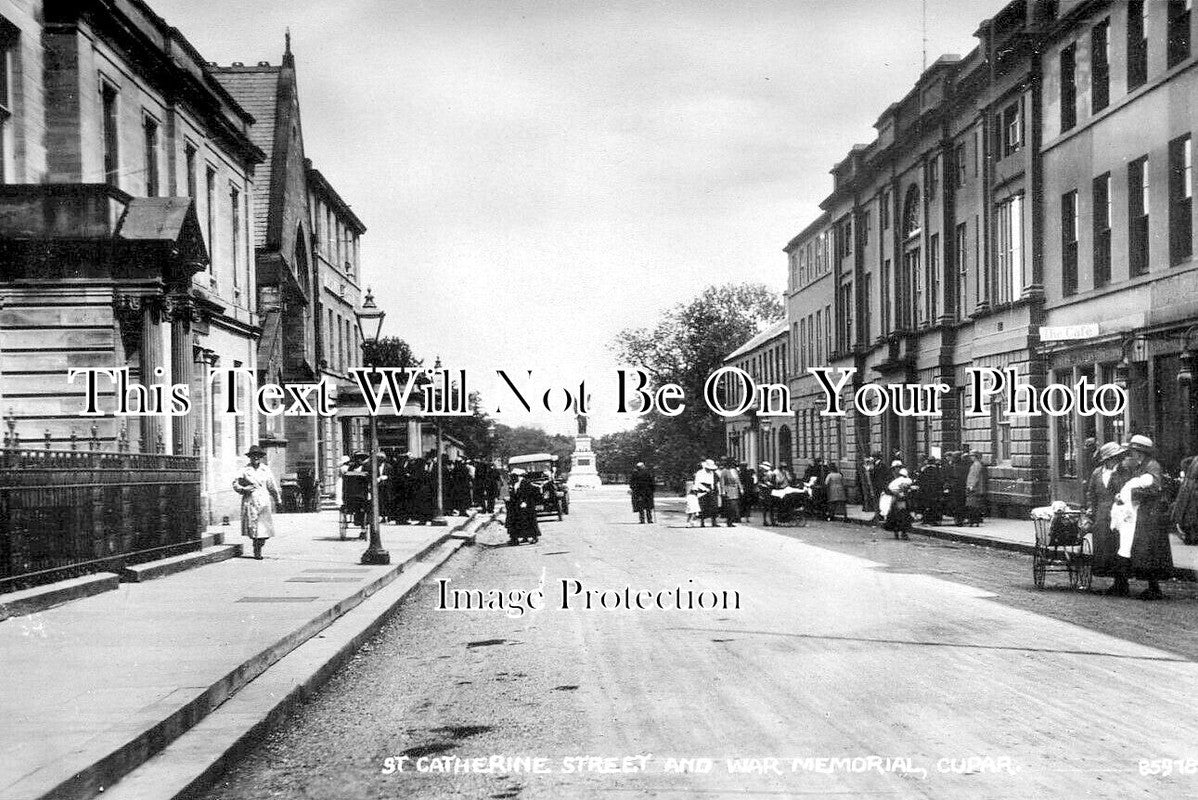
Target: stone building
(1120, 107)
(336, 250)
(1026, 206)
(754, 437)
(283, 242)
(125, 230)
(922, 266)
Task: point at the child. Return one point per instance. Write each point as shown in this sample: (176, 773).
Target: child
(692, 504)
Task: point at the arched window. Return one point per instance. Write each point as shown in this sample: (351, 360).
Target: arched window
(301, 261)
(912, 213)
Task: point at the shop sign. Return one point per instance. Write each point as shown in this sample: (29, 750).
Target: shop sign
(1068, 333)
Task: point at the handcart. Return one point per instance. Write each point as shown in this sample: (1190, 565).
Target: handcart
(1062, 545)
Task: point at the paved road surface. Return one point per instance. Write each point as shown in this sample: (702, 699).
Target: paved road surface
(844, 647)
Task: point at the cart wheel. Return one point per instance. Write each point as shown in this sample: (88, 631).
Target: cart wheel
(1084, 565)
(1039, 565)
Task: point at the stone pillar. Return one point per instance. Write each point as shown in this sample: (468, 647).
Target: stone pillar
(183, 430)
(152, 360)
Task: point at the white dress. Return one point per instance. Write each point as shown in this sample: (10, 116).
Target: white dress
(259, 492)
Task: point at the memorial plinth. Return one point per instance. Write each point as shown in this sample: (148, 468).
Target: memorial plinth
(583, 474)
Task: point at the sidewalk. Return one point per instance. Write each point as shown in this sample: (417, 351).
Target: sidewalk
(1009, 534)
(94, 687)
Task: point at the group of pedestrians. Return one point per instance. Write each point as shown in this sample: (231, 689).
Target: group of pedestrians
(1130, 512)
(716, 490)
(956, 487)
(408, 486)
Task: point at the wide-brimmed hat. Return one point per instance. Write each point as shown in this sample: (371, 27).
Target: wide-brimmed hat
(765, 464)
(518, 471)
(1141, 443)
(708, 464)
(896, 463)
(1110, 450)
(255, 451)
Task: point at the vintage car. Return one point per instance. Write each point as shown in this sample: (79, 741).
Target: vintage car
(541, 470)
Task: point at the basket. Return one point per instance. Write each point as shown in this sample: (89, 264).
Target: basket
(1061, 529)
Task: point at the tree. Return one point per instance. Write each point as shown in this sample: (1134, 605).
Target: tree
(688, 343)
(473, 430)
(391, 351)
(617, 453)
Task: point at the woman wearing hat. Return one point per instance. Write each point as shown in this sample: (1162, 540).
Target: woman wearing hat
(522, 508)
(707, 487)
(1148, 556)
(1102, 487)
(259, 493)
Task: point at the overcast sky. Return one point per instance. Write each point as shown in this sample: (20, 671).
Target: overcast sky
(537, 176)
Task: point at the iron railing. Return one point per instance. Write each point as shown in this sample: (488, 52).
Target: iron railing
(65, 513)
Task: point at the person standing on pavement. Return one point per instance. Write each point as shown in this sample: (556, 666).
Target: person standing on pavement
(955, 473)
(1149, 555)
(767, 481)
(931, 491)
(731, 490)
(748, 493)
(643, 486)
(1102, 487)
(977, 485)
(868, 501)
(1185, 508)
(260, 493)
(834, 489)
(707, 485)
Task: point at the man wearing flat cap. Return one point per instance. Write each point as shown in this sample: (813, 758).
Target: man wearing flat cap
(1148, 556)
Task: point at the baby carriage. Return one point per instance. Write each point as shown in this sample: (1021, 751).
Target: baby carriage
(1062, 545)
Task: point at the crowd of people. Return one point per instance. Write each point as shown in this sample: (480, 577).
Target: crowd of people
(408, 486)
(731, 491)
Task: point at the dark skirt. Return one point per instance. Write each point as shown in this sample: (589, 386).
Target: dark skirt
(1151, 552)
(1106, 541)
(709, 505)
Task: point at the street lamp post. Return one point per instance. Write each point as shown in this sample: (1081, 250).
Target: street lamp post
(439, 515)
(370, 326)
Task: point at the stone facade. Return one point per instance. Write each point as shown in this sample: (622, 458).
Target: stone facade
(141, 168)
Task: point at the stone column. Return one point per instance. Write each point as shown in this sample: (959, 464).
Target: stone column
(151, 361)
(183, 429)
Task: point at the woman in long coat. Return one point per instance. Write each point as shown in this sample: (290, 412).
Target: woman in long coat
(259, 493)
(522, 509)
(1151, 554)
(1102, 487)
